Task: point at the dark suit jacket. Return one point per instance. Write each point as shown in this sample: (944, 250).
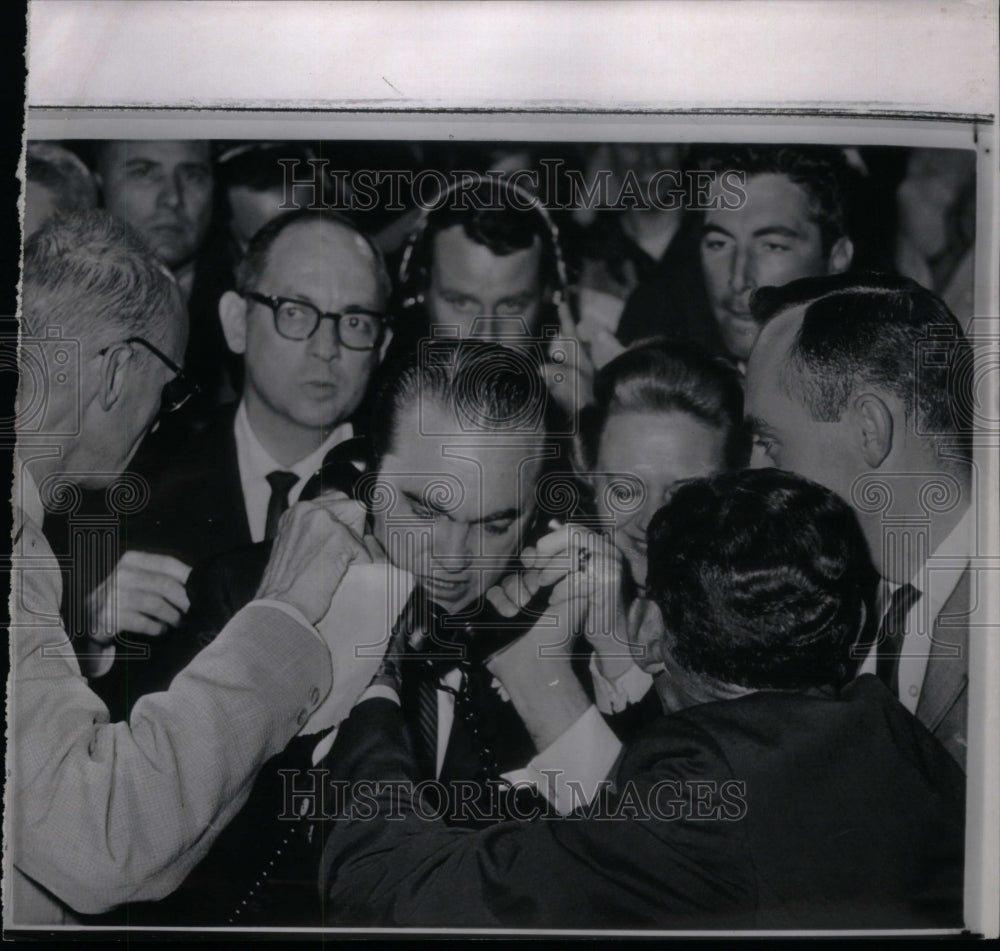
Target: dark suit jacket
(195, 510)
(820, 809)
(672, 301)
(196, 506)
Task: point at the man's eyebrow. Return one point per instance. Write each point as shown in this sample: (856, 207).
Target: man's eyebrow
(781, 230)
(710, 227)
(419, 498)
(519, 296)
(504, 515)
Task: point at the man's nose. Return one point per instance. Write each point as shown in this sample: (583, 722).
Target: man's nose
(742, 276)
(171, 192)
(452, 544)
(325, 342)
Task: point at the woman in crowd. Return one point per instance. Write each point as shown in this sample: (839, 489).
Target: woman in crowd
(663, 411)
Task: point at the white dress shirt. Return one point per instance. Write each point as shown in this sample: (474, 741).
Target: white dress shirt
(256, 463)
(935, 580)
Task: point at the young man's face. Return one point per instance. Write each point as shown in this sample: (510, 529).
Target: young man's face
(468, 281)
(161, 188)
(771, 240)
(458, 507)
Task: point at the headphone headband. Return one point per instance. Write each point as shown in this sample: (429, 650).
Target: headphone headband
(472, 181)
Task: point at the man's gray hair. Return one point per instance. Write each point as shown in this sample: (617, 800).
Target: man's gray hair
(97, 280)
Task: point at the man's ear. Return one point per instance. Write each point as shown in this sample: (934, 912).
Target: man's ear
(115, 367)
(875, 428)
(386, 340)
(233, 317)
(646, 633)
(841, 255)
(864, 618)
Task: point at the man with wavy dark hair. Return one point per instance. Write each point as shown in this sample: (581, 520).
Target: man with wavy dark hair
(771, 214)
(774, 793)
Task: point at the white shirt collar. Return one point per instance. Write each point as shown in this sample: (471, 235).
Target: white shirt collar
(255, 463)
(936, 580)
(937, 577)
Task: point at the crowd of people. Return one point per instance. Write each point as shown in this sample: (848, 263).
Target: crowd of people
(676, 637)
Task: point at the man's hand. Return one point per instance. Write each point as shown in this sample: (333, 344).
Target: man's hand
(311, 554)
(144, 594)
(590, 572)
(535, 669)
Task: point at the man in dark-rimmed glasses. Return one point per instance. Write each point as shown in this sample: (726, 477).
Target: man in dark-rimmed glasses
(308, 318)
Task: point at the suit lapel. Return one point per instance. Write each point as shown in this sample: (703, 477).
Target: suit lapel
(947, 672)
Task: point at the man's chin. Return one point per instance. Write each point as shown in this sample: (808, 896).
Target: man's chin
(738, 335)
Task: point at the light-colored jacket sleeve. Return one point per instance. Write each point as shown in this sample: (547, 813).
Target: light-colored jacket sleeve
(101, 813)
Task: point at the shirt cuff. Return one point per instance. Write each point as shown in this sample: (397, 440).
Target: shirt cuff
(571, 771)
(613, 696)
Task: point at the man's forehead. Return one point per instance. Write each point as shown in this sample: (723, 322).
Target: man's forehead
(187, 150)
(454, 251)
(766, 193)
(499, 460)
(318, 243)
(771, 348)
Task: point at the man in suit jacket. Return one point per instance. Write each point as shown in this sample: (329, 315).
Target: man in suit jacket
(96, 812)
(454, 490)
(771, 795)
(864, 384)
(307, 316)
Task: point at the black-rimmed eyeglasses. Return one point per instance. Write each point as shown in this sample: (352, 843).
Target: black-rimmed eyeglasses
(177, 391)
(356, 327)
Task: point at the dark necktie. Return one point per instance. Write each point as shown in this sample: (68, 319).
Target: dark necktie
(281, 484)
(427, 724)
(889, 643)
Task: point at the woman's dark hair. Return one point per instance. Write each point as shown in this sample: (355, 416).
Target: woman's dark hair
(667, 376)
(761, 578)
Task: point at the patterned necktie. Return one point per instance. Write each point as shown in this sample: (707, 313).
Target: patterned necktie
(281, 484)
(427, 724)
(889, 643)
